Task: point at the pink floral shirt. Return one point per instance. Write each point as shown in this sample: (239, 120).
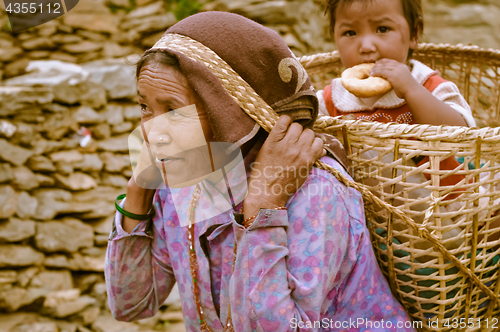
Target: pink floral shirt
(309, 268)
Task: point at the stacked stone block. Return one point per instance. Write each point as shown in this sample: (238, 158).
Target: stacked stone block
(57, 196)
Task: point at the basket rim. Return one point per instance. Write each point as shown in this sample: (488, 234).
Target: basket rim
(423, 132)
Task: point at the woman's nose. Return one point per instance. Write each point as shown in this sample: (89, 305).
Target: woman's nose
(159, 138)
(157, 130)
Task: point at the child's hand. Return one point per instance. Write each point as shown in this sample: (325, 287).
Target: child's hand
(397, 74)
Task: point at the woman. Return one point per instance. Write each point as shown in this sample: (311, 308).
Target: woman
(295, 254)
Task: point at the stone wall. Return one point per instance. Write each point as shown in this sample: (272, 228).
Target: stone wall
(96, 29)
(88, 32)
(57, 188)
(462, 21)
(64, 159)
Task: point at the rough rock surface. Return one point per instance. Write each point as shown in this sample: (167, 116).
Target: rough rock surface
(15, 154)
(12, 255)
(8, 201)
(76, 181)
(464, 22)
(14, 230)
(26, 204)
(67, 235)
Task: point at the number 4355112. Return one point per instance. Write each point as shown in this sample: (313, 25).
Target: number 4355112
(32, 8)
(471, 323)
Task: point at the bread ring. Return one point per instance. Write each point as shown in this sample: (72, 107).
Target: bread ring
(357, 80)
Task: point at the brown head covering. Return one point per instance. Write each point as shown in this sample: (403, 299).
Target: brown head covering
(257, 54)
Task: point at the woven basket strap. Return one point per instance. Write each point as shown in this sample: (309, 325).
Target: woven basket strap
(244, 95)
(266, 117)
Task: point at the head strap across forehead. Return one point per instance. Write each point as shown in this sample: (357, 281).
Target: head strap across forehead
(244, 95)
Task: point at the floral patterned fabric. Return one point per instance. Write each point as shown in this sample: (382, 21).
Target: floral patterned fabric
(309, 268)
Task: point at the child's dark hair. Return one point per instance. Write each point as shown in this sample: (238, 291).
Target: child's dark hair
(412, 10)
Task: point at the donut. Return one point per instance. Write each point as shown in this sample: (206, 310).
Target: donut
(357, 80)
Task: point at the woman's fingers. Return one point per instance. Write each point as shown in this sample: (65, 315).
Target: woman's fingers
(293, 134)
(285, 130)
(317, 148)
(293, 144)
(311, 145)
(148, 177)
(306, 138)
(287, 153)
(280, 128)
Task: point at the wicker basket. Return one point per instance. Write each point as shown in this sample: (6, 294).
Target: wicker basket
(443, 264)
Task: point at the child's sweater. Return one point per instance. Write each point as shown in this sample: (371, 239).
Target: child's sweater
(335, 100)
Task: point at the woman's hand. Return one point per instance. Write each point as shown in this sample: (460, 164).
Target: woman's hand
(145, 173)
(141, 187)
(282, 165)
(139, 201)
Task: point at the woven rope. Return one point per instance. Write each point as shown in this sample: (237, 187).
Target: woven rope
(437, 136)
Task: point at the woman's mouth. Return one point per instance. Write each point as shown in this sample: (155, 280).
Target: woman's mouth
(164, 162)
(166, 159)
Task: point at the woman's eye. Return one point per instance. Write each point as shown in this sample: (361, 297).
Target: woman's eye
(383, 29)
(175, 114)
(144, 109)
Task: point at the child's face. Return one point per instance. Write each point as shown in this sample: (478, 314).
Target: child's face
(372, 30)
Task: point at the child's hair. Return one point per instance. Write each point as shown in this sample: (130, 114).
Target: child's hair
(412, 10)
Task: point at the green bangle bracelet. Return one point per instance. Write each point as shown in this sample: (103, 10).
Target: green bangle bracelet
(130, 214)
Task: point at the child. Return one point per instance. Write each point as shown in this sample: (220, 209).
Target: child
(386, 32)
